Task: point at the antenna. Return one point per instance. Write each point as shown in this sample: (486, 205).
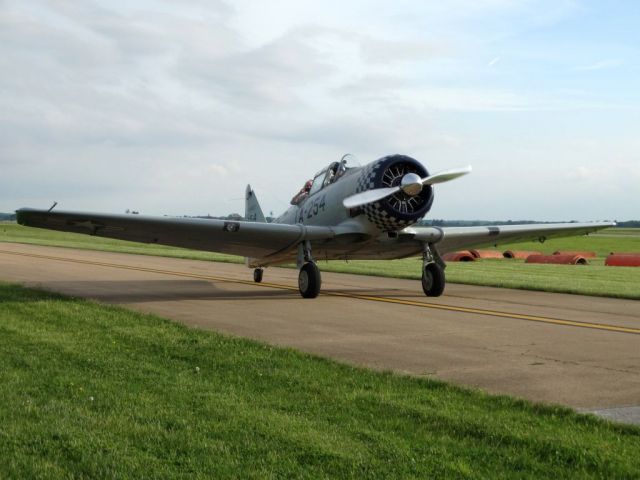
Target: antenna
(53, 206)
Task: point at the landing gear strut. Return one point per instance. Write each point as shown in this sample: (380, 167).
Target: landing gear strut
(257, 275)
(309, 280)
(433, 278)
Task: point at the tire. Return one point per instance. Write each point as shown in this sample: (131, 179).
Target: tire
(433, 280)
(309, 280)
(257, 275)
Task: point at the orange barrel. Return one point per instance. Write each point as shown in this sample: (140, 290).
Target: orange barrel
(463, 256)
(557, 259)
(623, 260)
(576, 252)
(519, 254)
(486, 254)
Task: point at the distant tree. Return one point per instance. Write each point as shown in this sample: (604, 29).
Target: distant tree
(629, 224)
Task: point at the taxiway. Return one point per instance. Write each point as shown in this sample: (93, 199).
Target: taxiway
(569, 349)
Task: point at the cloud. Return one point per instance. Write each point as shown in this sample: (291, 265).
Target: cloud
(603, 64)
(385, 51)
(262, 77)
(167, 107)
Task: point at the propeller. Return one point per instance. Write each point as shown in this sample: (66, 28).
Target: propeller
(411, 184)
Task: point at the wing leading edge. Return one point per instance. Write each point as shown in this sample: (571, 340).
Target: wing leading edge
(248, 239)
(448, 239)
(264, 240)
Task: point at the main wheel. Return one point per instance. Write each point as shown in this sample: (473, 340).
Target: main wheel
(433, 280)
(257, 275)
(309, 280)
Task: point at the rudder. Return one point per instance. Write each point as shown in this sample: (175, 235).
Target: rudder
(252, 210)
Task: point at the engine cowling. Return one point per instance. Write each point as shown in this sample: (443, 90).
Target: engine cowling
(400, 210)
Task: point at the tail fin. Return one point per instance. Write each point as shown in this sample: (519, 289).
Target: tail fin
(252, 210)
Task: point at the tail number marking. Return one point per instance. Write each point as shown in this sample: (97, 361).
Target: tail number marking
(311, 208)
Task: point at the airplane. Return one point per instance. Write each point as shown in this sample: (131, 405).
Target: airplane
(347, 212)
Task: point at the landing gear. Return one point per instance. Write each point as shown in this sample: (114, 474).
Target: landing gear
(257, 275)
(433, 278)
(309, 280)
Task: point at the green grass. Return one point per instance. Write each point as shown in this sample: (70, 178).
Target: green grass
(93, 391)
(622, 231)
(603, 242)
(595, 279)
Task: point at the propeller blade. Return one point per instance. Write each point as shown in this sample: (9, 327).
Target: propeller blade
(369, 196)
(446, 176)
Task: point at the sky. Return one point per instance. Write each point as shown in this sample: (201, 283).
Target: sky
(173, 107)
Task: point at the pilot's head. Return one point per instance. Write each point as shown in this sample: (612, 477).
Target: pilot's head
(307, 186)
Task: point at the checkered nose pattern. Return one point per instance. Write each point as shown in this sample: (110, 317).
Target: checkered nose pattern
(376, 212)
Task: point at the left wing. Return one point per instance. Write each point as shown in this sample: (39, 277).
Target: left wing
(248, 239)
(449, 239)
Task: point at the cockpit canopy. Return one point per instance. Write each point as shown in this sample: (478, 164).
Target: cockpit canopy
(333, 172)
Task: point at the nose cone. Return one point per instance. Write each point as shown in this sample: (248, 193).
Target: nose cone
(411, 184)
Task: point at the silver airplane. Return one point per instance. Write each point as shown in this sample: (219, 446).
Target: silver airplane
(347, 212)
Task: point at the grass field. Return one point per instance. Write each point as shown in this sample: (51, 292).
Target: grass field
(595, 279)
(93, 391)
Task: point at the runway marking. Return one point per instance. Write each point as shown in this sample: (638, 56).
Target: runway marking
(436, 306)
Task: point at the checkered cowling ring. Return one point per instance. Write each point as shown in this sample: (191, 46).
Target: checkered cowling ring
(392, 213)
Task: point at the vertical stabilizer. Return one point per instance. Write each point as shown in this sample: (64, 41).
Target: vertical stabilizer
(252, 210)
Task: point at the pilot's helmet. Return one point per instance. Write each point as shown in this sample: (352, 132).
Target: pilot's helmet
(308, 185)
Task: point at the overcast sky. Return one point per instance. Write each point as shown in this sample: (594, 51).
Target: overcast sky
(173, 107)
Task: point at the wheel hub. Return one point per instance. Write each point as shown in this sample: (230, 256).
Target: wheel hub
(303, 280)
(427, 278)
(408, 200)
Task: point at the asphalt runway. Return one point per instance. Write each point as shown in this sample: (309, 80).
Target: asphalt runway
(569, 349)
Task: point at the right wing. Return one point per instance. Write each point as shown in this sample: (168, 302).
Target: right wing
(449, 239)
(248, 239)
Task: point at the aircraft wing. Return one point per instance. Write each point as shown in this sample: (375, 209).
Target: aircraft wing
(449, 239)
(249, 239)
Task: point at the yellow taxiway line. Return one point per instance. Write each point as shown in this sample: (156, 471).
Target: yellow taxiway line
(398, 301)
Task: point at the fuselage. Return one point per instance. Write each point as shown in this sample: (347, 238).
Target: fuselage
(324, 204)
(367, 232)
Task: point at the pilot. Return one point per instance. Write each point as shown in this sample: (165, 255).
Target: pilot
(342, 169)
(303, 193)
(331, 177)
(333, 174)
